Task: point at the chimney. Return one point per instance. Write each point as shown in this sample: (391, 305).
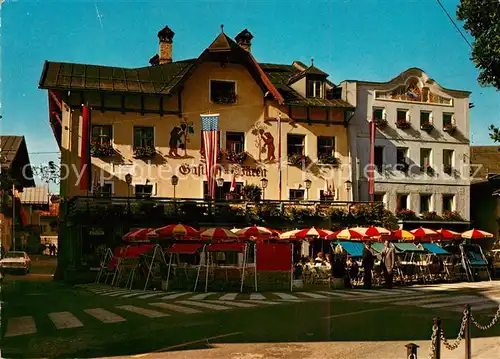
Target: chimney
(244, 39)
(166, 36)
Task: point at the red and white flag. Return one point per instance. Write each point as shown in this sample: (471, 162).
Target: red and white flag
(210, 129)
(233, 183)
(371, 169)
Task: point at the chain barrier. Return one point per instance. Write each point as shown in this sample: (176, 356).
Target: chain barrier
(433, 341)
(486, 327)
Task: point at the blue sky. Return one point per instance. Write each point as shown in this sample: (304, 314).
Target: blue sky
(371, 40)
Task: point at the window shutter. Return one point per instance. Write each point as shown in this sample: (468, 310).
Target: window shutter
(408, 116)
(453, 120)
(384, 114)
(431, 118)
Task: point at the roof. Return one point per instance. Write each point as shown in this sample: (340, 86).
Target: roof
(484, 160)
(35, 195)
(9, 146)
(164, 79)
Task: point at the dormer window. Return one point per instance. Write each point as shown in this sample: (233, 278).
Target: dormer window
(222, 92)
(315, 88)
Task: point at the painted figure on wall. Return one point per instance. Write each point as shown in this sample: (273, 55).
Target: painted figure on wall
(175, 141)
(258, 130)
(268, 140)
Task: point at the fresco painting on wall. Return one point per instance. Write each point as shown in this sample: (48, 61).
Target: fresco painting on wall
(264, 142)
(412, 91)
(179, 138)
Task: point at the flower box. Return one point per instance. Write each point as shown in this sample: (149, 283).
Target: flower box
(329, 160)
(104, 149)
(429, 170)
(225, 100)
(403, 124)
(450, 128)
(144, 152)
(380, 123)
(298, 160)
(427, 127)
(220, 154)
(447, 169)
(236, 157)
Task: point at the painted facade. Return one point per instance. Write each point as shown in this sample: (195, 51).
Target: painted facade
(422, 143)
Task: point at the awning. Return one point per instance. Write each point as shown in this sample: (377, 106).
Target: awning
(435, 249)
(354, 249)
(408, 247)
(379, 248)
(186, 248)
(226, 247)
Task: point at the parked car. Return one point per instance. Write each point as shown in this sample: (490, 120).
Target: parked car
(15, 261)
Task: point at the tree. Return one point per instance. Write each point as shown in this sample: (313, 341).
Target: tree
(482, 19)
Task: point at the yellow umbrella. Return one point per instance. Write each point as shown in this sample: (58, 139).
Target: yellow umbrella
(403, 235)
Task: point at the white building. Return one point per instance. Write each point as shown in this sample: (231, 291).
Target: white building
(421, 146)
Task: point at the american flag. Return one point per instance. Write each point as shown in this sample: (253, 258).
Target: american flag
(371, 180)
(85, 159)
(210, 128)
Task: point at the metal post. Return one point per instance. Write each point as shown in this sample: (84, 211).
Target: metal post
(14, 216)
(411, 350)
(437, 350)
(467, 336)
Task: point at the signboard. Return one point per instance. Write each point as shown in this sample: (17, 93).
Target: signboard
(244, 171)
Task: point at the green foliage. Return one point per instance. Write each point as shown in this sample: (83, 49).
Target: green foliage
(495, 133)
(252, 193)
(299, 215)
(336, 214)
(389, 220)
(431, 216)
(453, 216)
(482, 19)
(370, 214)
(406, 215)
(267, 210)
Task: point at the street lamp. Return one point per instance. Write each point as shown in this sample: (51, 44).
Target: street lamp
(128, 180)
(175, 181)
(307, 183)
(220, 183)
(348, 186)
(263, 184)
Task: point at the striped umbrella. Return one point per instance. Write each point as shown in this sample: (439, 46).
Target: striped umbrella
(138, 235)
(176, 230)
(403, 235)
(307, 233)
(446, 234)
(424, 234)
(347, 234)
(372, 231)
(476, 234)
(218, 235)
(254, 232)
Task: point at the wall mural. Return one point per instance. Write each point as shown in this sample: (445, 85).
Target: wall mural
(413, 91)
(179, 138)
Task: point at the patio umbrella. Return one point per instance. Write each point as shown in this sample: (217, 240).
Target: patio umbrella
(424, 233)
(476, 234)
(138, 235)
(372, 231)
(218, 234)
(446, 234)
(254, 232)
(176, 230)
(347, 234)
(306, 233)
(403, 235)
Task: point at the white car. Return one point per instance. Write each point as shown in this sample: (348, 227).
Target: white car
(15, 261)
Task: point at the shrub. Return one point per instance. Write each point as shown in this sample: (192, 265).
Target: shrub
(431, 216)
(406, 215)
(267, 210)
(453, 216)
(336, 214)
(251, 193)
(299, 215)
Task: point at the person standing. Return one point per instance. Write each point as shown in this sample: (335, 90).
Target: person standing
(367, 263)
(387, 264)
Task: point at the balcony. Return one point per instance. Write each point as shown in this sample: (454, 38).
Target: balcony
(101, 149)
(144, 152)
(403, 124)
(450, 128)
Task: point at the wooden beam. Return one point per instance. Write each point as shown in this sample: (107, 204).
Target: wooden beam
(142, 105)
(161, 105)
(56, 99)
(309, 121)
(136, 110)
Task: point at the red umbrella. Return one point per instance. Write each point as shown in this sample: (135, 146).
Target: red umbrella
(138, 235)
(311, 233)
(422, 234)
(176, 230)
(476, 234)
(446, 234)
(254, 232)
(218, 234)
(345, 234)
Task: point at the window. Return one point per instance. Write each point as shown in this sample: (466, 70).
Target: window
(144, 137)
(235, 141)
(447, 119)
(326, 146)
(425, 158)
(425, 203)
(295, 144)
(402, 202)
(296, 194)
(379, 158)
(425, 118)
(222, 92)
(143, 190)
(401, 115)
(102, 134)
(314, 88)
(378, 114)
(448, 200)
(224, 192)
(401, 158)
(326, 195)
(448, 161)
(379, 197)
(104, 190)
